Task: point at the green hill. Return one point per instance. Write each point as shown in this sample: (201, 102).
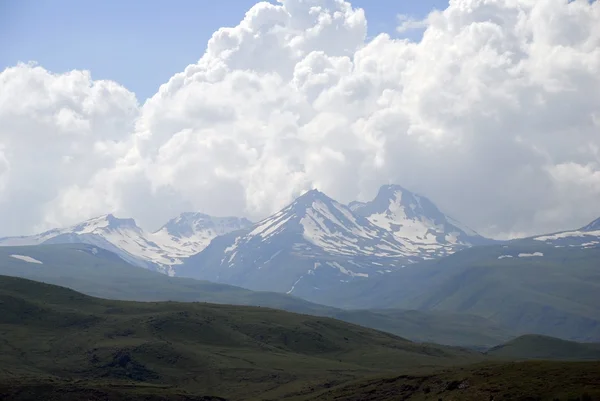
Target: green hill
(518, 381)
(56, 341)
(549, 348)
(556, 294)
(99, 273)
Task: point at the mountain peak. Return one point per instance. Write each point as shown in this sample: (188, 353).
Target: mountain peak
(414, 220)
(107, 222)
(394, 197)
(188, 224)
(313, 193)
(391, 189)
(307, 200)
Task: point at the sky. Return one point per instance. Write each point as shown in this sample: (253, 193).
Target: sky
(489, 108)
(111, 38)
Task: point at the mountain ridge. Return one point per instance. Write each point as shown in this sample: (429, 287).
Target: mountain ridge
(160, 250)
(315, 242)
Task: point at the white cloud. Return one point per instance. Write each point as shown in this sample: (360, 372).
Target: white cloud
(494, 115)
(56, 130)
(407, 23)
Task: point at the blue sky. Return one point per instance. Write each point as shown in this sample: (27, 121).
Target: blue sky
(140, 44)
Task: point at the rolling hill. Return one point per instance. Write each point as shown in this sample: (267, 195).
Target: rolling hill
(548, 348)
(519, 381)
(527, 286)
(58, 344)
(52, 336)
(100, 273)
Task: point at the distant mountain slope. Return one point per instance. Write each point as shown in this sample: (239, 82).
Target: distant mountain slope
(102, 274)
(181, 237)
(316, 243)
(527, 286)
(55, 336)
(547, 348)
(585, 237)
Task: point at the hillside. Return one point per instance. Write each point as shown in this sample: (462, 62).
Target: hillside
(521, 381)
(103, 274)
(543, 347)
(53, 335)
(526, 286)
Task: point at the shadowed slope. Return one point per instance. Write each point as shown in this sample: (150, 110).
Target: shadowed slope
(51, 333)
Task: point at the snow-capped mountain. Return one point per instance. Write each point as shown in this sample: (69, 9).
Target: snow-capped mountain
(585, 237)
(190, 233)
(416, 223)
(316, 242)
(186, 235)
(311, 245)
(121, 236)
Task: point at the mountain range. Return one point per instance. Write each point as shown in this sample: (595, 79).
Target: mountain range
(319, 241)
(162, 250)
(316, 243)
(313, 248)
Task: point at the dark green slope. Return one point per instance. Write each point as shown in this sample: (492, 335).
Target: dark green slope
(51, 336)
(102, 274)
(556, 295)
(515, 381)
(543, 347)
(430, 326)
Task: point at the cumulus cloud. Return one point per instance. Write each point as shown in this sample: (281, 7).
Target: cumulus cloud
(56, 130)
(494, 114)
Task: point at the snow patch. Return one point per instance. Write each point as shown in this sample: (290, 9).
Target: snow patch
(568, 234)
(531, 255)
(27, 259)
(294, 285)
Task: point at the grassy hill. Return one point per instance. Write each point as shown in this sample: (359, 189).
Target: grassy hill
(515, 381)
(54, 339)
(556, 294)
(549, 348)
(99, 273)
(58, 344)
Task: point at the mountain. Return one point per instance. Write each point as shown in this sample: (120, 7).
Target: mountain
(527, 286)
(121, 236)
(190, 233)
(97, 272)
(60, 344)
(417, 223)
(317, 239)
(316, 243)
(179, 238)
(585, 237)
(305, 247)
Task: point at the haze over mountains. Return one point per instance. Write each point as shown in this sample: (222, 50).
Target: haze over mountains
(316, 243)
(387, 257)
(396, 224)
(308, 248)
